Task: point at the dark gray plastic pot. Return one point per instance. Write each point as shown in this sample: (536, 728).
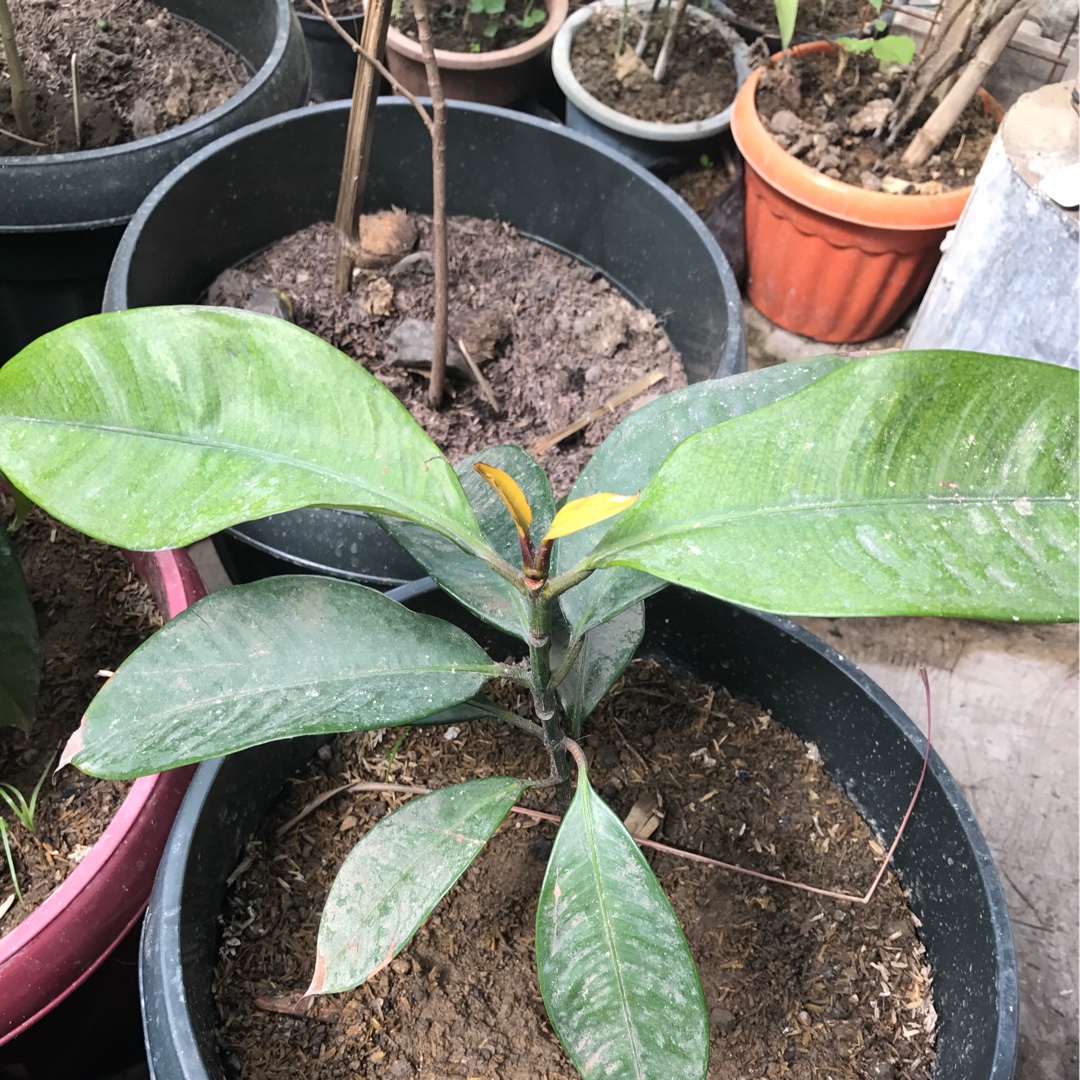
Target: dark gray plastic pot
(62, 215)
(333, 63)
(867, 744)
(237, 196)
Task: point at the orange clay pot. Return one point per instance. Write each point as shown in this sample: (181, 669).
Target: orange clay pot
(499, 77)
(827, 259)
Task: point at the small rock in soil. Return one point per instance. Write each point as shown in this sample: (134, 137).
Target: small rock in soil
(785, 122)
(385, 238)
(413, 343)
(871, 116)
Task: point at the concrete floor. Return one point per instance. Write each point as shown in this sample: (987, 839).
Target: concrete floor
(1005, 701)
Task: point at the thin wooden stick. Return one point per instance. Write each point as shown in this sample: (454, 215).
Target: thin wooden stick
(75, 100)
(638, 386)
(485, 387)
(663, 59)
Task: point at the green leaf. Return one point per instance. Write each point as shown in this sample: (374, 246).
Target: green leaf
(399, 871)
(20, 656)
(855, 45)
(894, 49)
(491, 30)
(912, 483)
(286, 656)
(605, 652)
(155, 427)
(494, 7)
(629, 457)
(533, 18)
(786, 10)
(470, 581)
(618, 981)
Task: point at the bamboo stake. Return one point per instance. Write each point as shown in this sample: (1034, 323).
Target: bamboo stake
(928, 137)
(358, 145)
(675, 21)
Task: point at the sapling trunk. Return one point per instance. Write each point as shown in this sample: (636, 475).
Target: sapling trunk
(439, 254)
(358, 145)
(20, 105)
(545, 700)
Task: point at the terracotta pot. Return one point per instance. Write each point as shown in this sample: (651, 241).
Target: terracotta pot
(827, 259)
(499, 77)
(66, 939)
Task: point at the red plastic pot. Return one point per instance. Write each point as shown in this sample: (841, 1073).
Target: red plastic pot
(499, 77)
(54, 950)
(827, 259)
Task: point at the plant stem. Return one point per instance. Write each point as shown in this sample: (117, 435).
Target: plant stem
(19, 103)
(357, 145)
(440, 255)
(545, 700)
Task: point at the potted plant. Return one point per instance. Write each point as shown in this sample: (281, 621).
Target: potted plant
(873, 243)
(916, 483)
(62, 214)
(477, 66)
(68, 937)
(636, 88)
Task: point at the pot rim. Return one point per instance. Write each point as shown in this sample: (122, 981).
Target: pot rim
(653, 130)
(175, 583)
(497, 58)
(809, 188)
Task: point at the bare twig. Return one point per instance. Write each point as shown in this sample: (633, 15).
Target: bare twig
(486, 389)
(75, 99)
(638, 386)
(19, 103)
(356, 785)
(19, 138)
(646, 26)
(367, 57)
(439, 253)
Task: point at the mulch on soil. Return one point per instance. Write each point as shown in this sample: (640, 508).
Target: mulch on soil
(700, 80)
(140, 71)
(92, 612)
(826, 115)
(798, 986)
(552, 336)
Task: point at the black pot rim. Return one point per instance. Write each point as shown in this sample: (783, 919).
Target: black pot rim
(166, 1006)
(188, 129)
(116, 292)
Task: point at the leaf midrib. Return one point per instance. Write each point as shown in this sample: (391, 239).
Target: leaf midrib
(595, 865)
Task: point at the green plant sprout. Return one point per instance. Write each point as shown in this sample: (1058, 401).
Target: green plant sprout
(492, 9)
(9, 858)
(917, 483)
(24, 811)
(890, 49)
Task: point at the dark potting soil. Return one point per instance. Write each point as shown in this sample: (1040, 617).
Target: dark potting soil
(553, 338)
(814, 20)
(456, 28)
(798, 986)
(140, 71)
(700, 81)
(92, 611)
(825, 113)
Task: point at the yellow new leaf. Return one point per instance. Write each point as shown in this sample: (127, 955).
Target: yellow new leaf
(507, 488)
(581, 513)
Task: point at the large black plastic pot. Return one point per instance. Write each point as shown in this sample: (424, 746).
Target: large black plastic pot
(62, 215)
(237, 196)
(333, 63)
(867, 744)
